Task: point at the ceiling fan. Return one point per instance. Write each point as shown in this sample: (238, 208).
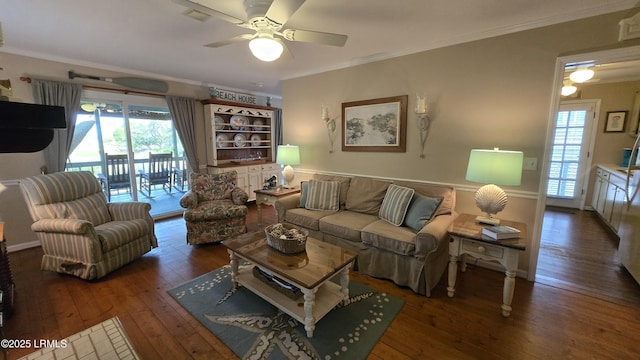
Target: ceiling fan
(267, 19)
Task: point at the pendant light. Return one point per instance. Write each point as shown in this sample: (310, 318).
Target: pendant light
(581, 75)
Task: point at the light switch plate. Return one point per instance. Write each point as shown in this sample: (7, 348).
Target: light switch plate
(530, 163)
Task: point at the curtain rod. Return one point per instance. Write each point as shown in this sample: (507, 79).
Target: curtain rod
(93, 87)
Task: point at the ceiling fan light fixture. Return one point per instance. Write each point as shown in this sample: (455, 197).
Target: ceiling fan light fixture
(266, 49)
(88, 107)
(581, 75)
(568, 90)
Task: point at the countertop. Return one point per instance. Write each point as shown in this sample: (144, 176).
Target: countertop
(616, 170)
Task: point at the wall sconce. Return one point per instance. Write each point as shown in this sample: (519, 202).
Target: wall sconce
(331, 127)
(423, 120)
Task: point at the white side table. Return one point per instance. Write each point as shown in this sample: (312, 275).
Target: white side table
(269, 197)
(467, 239)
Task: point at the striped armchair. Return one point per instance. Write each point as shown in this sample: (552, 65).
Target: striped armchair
(82, 234)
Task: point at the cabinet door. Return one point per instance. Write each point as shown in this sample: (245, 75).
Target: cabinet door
(609, 201)
(618, 204)
(597, 184)
(602, 195)
(254, 181)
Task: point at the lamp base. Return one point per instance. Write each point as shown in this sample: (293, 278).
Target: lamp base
(288, 175)
(487, 220)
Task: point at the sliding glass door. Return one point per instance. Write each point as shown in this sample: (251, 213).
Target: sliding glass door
(130, 144)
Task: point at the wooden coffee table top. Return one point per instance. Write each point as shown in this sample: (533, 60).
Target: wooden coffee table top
(309, 269)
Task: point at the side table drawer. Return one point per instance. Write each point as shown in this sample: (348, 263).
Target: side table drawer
(480, 248)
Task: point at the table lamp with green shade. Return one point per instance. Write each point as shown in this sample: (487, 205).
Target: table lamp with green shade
(288, 155)
(493, 167)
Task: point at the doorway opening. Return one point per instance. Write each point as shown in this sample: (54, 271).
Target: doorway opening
(569, 162)
(131, 145)
(576, 252)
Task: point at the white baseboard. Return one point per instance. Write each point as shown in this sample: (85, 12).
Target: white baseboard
(23, 246)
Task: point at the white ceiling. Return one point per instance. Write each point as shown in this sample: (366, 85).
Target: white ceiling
(154, 38)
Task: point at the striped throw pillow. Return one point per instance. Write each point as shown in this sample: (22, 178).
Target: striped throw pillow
(323, 195)
(395, 204)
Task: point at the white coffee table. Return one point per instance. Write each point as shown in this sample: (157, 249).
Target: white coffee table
(311, 271)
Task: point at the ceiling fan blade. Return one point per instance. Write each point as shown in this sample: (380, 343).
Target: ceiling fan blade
(315, 37)
(198, 5)
(281, 10)
(233, 40)
(286, 54)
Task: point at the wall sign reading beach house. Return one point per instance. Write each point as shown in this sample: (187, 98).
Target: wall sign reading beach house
(375, 125)
(233, 96)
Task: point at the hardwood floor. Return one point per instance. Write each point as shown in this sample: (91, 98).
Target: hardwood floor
(546, 322)
(578, 253)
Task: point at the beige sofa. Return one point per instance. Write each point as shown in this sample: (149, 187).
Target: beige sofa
(414, 256)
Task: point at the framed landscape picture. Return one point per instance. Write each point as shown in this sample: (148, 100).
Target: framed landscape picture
(375, 125)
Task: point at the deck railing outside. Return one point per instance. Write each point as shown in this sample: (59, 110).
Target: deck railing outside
(161, 201)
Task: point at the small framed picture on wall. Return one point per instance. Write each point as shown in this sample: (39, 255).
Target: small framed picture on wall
(615, 121)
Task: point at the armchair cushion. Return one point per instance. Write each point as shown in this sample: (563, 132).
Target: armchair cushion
(214, 187)
(215, 210)
(115, 234)
(54, 196)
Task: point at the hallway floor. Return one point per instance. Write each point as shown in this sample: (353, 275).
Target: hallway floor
(578, 253)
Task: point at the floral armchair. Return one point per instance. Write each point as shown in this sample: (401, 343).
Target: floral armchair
(215, 208)
(82, 234)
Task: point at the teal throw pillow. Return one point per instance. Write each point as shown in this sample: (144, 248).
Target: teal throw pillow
(395, 204)
(323, 195)
(421, 210)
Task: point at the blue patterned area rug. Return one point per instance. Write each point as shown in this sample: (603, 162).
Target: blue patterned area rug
(254, 329)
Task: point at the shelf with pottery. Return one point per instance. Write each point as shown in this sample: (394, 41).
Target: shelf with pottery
(230, 128)
(238, 133)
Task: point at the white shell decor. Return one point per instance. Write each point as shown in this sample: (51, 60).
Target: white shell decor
(491, 199)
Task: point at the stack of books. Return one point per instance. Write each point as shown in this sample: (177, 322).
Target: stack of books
(500, 232)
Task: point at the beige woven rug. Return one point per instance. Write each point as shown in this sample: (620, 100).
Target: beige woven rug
(106, 340)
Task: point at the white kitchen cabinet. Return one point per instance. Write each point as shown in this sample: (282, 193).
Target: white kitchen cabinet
(608, 196)
(250, 177)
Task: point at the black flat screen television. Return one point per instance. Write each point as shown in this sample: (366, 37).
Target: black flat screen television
(28, 127)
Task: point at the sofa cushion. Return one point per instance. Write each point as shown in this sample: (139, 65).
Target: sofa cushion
(346, 224)
(306, 218)
(114, 234)
(383, 235)
(344, 184)
(447, 193)
(365, 195)
(395, 204)
(421, 210)
(323, 195)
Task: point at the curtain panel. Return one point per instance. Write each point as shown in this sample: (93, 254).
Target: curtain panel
(67, 95)
(183, 112)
